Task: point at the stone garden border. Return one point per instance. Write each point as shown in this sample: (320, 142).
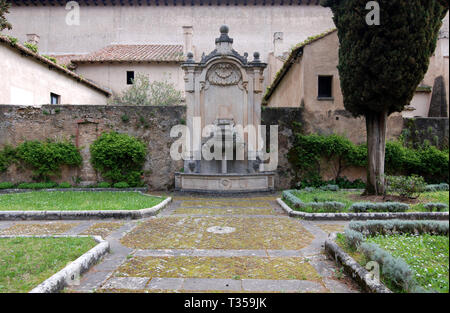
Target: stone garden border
(73, 270)
(19, 190)
(353, 268)
(85, 215)
(363, 216)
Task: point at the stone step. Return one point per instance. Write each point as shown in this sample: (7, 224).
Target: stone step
(209, 284)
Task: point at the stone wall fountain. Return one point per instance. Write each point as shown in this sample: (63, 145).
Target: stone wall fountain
(224, 91)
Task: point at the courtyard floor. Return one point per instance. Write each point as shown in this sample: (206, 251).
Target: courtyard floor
(206, 244)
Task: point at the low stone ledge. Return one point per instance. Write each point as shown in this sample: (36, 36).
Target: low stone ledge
(84, 215)
(75, 269)
(353, 268)
(363, 216)
(19, 190)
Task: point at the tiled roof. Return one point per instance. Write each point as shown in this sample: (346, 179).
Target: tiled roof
(134, 53)
(65, 59)
(51, 65)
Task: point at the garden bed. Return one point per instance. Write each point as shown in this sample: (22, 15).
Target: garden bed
(413, 256)
(79, 205)
(30, 263)
(318, 204)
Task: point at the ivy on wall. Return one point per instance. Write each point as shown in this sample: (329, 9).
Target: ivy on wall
(44, 158)
(119, 158)
(308, 151)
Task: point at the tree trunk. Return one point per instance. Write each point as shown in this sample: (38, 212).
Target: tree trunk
(376, 146)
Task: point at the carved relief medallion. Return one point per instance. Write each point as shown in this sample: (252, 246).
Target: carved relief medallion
(224, 74)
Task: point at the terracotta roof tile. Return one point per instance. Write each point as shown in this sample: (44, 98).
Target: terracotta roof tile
(134, 53)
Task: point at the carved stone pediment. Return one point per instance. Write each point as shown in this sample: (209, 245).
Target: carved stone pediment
(224, 74)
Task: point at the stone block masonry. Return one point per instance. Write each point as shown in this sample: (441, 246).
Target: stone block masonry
(82, 124)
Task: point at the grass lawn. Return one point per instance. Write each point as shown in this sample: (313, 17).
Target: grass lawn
(76, 200)
(350, 197)
(427, 255)
(27, 262)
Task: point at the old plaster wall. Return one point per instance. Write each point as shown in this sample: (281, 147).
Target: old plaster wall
(23, 80)
(251, 26)
(114, 75)
(323, 116)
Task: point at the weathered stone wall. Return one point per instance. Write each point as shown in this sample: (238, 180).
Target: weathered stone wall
(432, 129)
(82, 124)
(285, 118)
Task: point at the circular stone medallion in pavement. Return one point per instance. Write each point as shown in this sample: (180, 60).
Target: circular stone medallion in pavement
(221, 229)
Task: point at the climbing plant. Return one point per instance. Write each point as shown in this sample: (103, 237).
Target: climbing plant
(119, 158)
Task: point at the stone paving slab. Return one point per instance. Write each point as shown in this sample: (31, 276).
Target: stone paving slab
(250, 233)
(266, 252)
(248, 267)
(337, 287)
(218, 253)
(281, 285)
(212, 284)
(224, 211)
(158, 283)
(200, 252)
(126, 283)
(48, 228)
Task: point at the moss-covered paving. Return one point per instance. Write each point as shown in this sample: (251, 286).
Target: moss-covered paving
(51, 228)
(225, 203)
(225, 211)
(102, 229)
(264, 198)
(26, 262)
(191, 233)
(331, 228)
(219, 267)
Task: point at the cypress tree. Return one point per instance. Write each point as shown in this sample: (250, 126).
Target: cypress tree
(380, 66)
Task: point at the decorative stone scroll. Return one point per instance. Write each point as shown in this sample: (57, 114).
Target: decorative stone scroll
(224, 74)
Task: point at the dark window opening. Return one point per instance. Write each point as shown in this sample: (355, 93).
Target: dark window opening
(325, 87)
(54, 98)
(130, 77)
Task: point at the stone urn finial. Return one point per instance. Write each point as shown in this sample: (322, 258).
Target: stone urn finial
(224, 29)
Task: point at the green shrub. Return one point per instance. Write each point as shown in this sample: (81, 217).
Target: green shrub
(144, 92)
(103, 184)
(6, 185)
(119, 158)
(121, 184)
(353, 238)
(437, 187)
(46, 158)
(330, 187)
(64, 185)
(395, 269)
(31, 46)
(308, 150)
(406, 186)
(46, 185)
(435, 207)
(7, 156)
(391, 227)
(312, 207)
(362, 207)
